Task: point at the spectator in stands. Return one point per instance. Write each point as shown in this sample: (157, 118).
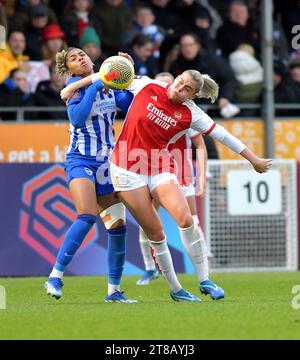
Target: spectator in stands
(15, 91)
(193, 56)
(141, 52)
(91, 45)
(53, 42)
(201, 26)
(286, 90)
(77, 17)
(3, 15)
(248, 73)
(281, 47)
(169, 52)
(22, 15)
(12, 57)
(294, 68)
(58, 6)
(39, 17)
(143, 23)
(112, 19)
(289, 11)
(48, 94)
(166, 16)
(237, 29)
(216, 19)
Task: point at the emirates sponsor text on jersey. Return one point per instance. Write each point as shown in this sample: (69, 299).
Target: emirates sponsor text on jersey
(159, 118)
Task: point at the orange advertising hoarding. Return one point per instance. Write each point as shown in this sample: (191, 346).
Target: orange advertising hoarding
(48, 142)
(40, 142)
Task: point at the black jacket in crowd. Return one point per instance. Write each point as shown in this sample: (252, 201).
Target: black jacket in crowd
(211, 64)
(231, 35)
(45, 95)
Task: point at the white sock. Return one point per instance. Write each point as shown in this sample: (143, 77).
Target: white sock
(196, 220)
(198, 227)
(111, 288)
(146, 251)
(165, 263)
(195, 246)
(56, 273)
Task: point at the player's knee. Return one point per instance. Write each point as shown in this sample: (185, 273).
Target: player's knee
(186, 220)
(114, 216)
(83, 207)
(87, 210)
(157, 235)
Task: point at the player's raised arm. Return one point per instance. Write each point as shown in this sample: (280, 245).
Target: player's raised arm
(69, 90)
(203, 123)
(109, 73)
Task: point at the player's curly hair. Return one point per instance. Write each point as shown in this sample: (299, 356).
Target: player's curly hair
(61, 61)
(207, 87)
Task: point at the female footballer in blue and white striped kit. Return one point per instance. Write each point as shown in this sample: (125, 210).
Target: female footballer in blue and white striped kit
(91, 112)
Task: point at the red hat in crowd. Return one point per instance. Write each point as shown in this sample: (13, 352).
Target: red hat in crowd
(53, 31)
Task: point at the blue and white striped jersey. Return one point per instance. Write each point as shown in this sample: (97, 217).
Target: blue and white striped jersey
(95, 135)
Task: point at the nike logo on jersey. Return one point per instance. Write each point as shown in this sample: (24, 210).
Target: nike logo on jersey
(154, 98)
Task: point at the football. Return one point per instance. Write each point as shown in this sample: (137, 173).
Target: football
(116, 72)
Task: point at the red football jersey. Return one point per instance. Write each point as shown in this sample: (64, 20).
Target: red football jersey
(151, 124)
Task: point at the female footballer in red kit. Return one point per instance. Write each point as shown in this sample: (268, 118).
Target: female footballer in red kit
(143, 170)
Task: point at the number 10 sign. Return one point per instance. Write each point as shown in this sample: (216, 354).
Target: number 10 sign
(250, 193)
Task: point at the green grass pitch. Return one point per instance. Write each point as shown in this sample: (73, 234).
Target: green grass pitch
(257, 306)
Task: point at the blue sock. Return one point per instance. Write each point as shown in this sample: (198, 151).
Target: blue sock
(73, 239)
(116, 254)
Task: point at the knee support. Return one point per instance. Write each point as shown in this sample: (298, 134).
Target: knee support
(113, 214)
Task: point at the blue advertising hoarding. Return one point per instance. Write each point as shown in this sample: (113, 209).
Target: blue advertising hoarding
(36, 210)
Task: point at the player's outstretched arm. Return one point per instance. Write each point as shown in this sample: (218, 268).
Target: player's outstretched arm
(222, 135)
(259, 164)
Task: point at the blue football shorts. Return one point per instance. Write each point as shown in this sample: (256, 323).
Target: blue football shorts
(97, 172)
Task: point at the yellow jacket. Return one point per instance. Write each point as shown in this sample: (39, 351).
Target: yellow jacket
(8, 62)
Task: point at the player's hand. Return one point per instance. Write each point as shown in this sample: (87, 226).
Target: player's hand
(67, 93)
(262, 165)
(127, 56)
(201, 187)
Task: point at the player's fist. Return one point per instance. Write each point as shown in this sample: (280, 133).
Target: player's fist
(67, 93)
(262, 165)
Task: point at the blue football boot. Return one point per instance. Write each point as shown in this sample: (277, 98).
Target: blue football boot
(118, 297)
(53, 287)
(148, 276)
(184, 296)
(208, 287)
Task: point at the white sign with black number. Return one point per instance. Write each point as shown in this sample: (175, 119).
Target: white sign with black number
(250, 193)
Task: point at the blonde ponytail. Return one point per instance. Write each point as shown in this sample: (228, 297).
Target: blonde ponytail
(210, 89)
(207, 87)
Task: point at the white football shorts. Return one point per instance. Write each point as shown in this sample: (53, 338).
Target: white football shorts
(125, 180)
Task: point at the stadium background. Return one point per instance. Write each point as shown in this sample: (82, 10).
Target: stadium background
(36, 209)
(37, 225)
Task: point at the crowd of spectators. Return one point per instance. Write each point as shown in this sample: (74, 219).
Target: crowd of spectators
(220, 38)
